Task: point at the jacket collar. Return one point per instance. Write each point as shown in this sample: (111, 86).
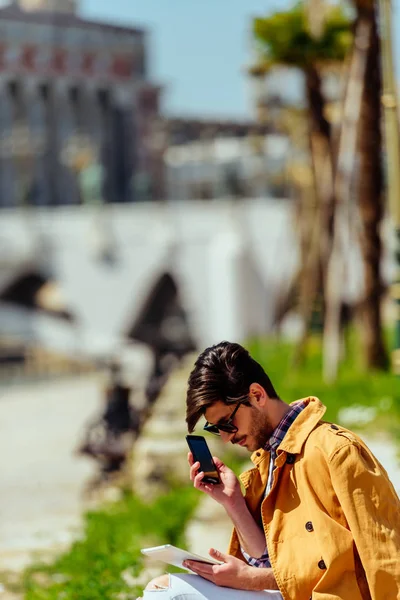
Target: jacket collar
(300, 429)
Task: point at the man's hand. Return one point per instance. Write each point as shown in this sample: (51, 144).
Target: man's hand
(227, 493)
(233, 573)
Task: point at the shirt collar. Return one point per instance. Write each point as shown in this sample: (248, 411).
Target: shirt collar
(284, 425)
(298, 433)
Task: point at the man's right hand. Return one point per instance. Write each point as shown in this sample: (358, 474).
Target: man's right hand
(228, 492)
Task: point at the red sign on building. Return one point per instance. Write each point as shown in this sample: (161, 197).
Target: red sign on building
(59, 60)
(88, 63)
(121, 66)
(28, 58)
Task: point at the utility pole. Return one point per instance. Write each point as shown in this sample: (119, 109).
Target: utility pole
(392, 142)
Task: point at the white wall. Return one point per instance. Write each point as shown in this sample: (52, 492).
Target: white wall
(230, 260)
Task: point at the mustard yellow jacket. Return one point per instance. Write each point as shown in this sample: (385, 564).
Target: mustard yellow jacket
(332, 517)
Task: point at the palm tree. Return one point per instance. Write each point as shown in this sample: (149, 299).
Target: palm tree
(370, 191)
(285, 39)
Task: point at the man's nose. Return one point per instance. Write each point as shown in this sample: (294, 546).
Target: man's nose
(226, 437)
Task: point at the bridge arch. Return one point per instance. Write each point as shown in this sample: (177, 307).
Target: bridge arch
(162, 322)
(34, 290)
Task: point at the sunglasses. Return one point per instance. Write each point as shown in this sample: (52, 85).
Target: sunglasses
(226, 426)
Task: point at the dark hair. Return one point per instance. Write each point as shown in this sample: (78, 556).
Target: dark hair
(222, 372)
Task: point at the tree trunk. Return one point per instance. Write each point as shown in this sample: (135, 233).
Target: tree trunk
(370, 198)
(317, 230)
(337, 274)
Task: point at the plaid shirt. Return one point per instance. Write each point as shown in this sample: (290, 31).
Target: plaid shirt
(271, 446)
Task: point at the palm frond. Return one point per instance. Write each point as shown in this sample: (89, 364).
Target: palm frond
(285, 37)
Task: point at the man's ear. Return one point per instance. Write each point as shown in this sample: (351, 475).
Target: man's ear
(258, 396)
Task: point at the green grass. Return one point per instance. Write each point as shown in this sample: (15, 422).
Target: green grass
(355, 386)
(92, 569)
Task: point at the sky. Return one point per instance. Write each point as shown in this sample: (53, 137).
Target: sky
(199, 48)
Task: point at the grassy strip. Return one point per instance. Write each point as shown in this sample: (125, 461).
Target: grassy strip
(110, 547)
(376, 393)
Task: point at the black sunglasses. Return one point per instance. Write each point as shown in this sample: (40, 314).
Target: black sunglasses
(226, 426)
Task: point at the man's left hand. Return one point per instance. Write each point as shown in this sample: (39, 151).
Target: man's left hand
(233, 573)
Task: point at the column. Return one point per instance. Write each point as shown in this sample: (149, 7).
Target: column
(39, 191)
(21, 147)
(7, 172)
(51, 150)
(65, 122)
(107, 154)
(92, 171)
(123, 141)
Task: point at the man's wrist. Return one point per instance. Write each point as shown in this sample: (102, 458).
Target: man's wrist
(263, 579)
(234, 506)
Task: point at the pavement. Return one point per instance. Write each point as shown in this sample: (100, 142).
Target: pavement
(42, 478)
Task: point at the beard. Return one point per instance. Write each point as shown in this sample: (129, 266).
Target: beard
(260, 431)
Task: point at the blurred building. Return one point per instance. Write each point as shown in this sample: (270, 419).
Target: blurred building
(77, 109)
(80, 124)
(208, 159)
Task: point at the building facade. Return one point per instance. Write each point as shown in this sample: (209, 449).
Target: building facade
(77, 108)
(208, 159)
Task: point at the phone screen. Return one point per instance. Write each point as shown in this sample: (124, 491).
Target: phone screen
(201, 453)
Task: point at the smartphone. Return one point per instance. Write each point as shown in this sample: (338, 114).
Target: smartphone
(201, 453)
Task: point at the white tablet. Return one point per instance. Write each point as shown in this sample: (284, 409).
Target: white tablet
(175, 556)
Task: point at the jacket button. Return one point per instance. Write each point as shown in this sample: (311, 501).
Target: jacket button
(309, 526)
(290, 458)
(335, 427)
(322, 565)
(258, 453)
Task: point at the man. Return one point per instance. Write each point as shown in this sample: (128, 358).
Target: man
(319, 518)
